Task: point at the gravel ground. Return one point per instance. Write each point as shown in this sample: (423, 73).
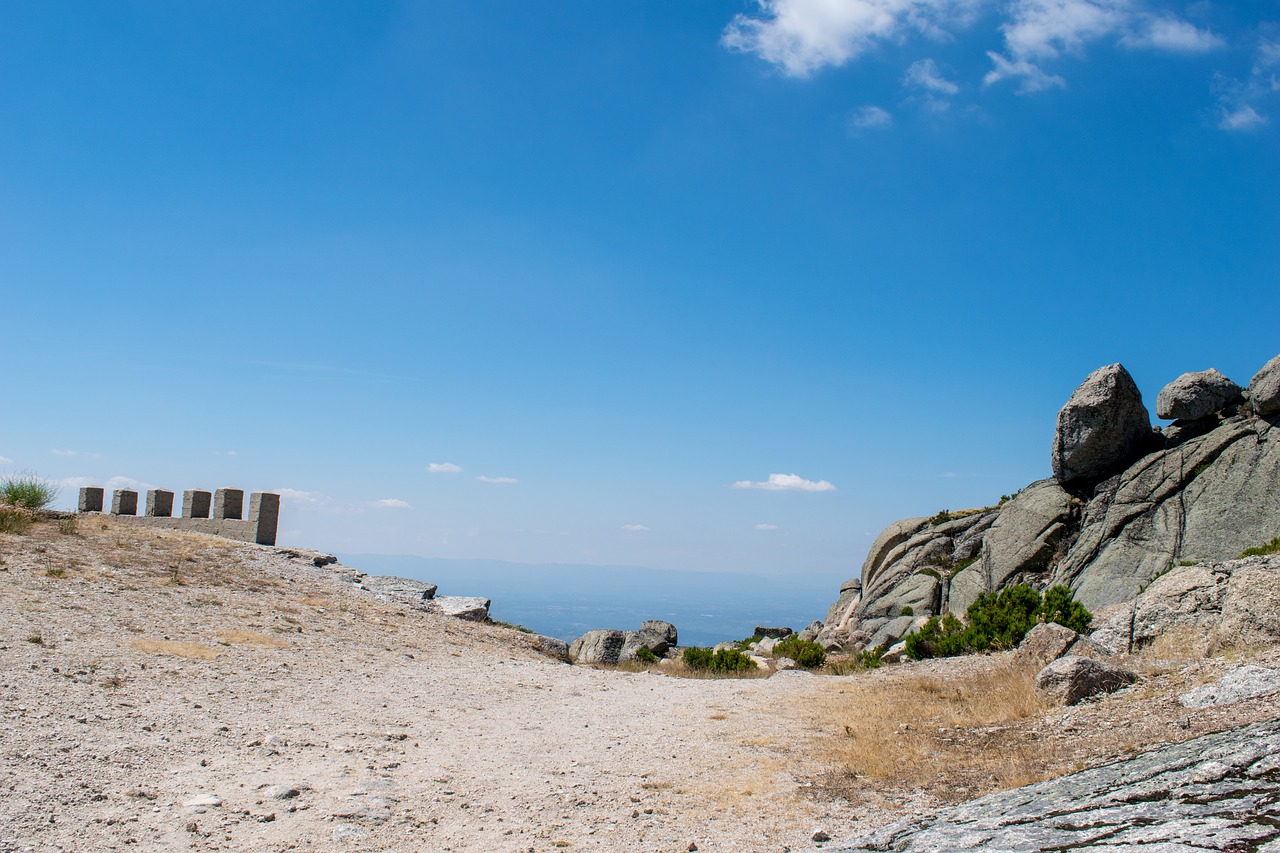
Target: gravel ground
(166, 691)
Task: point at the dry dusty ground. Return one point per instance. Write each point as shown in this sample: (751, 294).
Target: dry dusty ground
(168, 691)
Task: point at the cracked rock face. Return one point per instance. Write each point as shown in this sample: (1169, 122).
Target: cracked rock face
(1218, 792)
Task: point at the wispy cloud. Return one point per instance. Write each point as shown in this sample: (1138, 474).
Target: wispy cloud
(61, 452)
(444, 468)
(800, 37)
(787, 483)
(225, 453)
(5, 460)
(924, 74)
(870, 117)
(391, 503)
(1240, 101)
(635, 528)
(766, 527)
(297, 496)
(506, 481)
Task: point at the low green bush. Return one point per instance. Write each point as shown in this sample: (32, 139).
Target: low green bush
(645, 655)
(1272, 547)
(907, 610)
(996, 621)
(804, 652)
(721, 660)
(27, 491)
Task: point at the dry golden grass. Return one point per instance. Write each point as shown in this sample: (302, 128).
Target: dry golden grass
(192, 651)
(909, 730)
(253, 640)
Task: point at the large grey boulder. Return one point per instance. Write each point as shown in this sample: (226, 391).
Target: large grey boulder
(1021, 543)
(657, 636)
(1193, 396)
(600, 646)
(1264, 389)
(1070, 679)
(1204, 500)
(1218, 792)
(1101, 428)
(552, 647)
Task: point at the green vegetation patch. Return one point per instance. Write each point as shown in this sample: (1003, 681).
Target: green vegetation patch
(804, 652)
(27, 491)
(721, 660)
(1272, 547)
(997, 621)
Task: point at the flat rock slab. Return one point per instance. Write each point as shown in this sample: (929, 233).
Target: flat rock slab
(1218, 792)
(1243, 682)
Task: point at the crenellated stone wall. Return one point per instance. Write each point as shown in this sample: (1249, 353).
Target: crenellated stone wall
(219, 513)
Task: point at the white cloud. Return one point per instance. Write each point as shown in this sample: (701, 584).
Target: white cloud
(766, 527)
(59, 452)
(635, 528)
(444, 468)
(950, 475)
(1242, 118)
(1172, 34)
(802, 36)
(5, 460)
(297, 496)
(924, 74)
(391, 503)
(508, 481)
(1033, 77)
(225, 453)
(787, 483)
(870, 117)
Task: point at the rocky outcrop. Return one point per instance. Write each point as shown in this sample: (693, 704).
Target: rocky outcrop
(1218, 792)
(1193, 396)
(471, 608)
(1101, 428)
(1210, 606)
(1125, 504)
(1243, 682)
(1047, 642)
(1264, 389)
(1070, 679)
(608, 646)
(393, 588)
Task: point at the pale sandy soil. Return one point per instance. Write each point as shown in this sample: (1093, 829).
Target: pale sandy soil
(142, 670)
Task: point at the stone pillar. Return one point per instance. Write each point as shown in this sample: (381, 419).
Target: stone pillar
(228, 503)
(124, 502)
(159, 503)
(196, 503)
(90, 499)
(264, 515)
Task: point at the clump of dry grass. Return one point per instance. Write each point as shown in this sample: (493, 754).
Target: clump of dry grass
(252, 639)
(913, 729)
(192, 651)
(1183, 642)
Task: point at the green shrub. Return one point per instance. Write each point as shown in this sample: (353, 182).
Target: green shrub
(645, 655)
(907, 610)
(1059, 606)
(722, 660)
(996, 621)
(696, 657)
(27, 491)
(1272, 547)
(942, 517)
(497, 622)
(804, 652)
(940, 637)
(743, 645)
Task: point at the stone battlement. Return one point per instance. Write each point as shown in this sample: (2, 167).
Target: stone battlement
(218, 513)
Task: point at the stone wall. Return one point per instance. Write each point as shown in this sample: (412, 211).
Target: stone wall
(218, 513)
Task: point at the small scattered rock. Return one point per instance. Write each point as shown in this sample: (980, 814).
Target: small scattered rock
(821, 836)
(203, 801)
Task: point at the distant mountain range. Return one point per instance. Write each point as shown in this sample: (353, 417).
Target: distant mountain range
(566, 600)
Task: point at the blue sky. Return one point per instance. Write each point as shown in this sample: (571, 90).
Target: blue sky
(611, 267)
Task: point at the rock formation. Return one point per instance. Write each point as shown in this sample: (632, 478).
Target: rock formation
(1125, 503)
(609, 646)
(1218, 792)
